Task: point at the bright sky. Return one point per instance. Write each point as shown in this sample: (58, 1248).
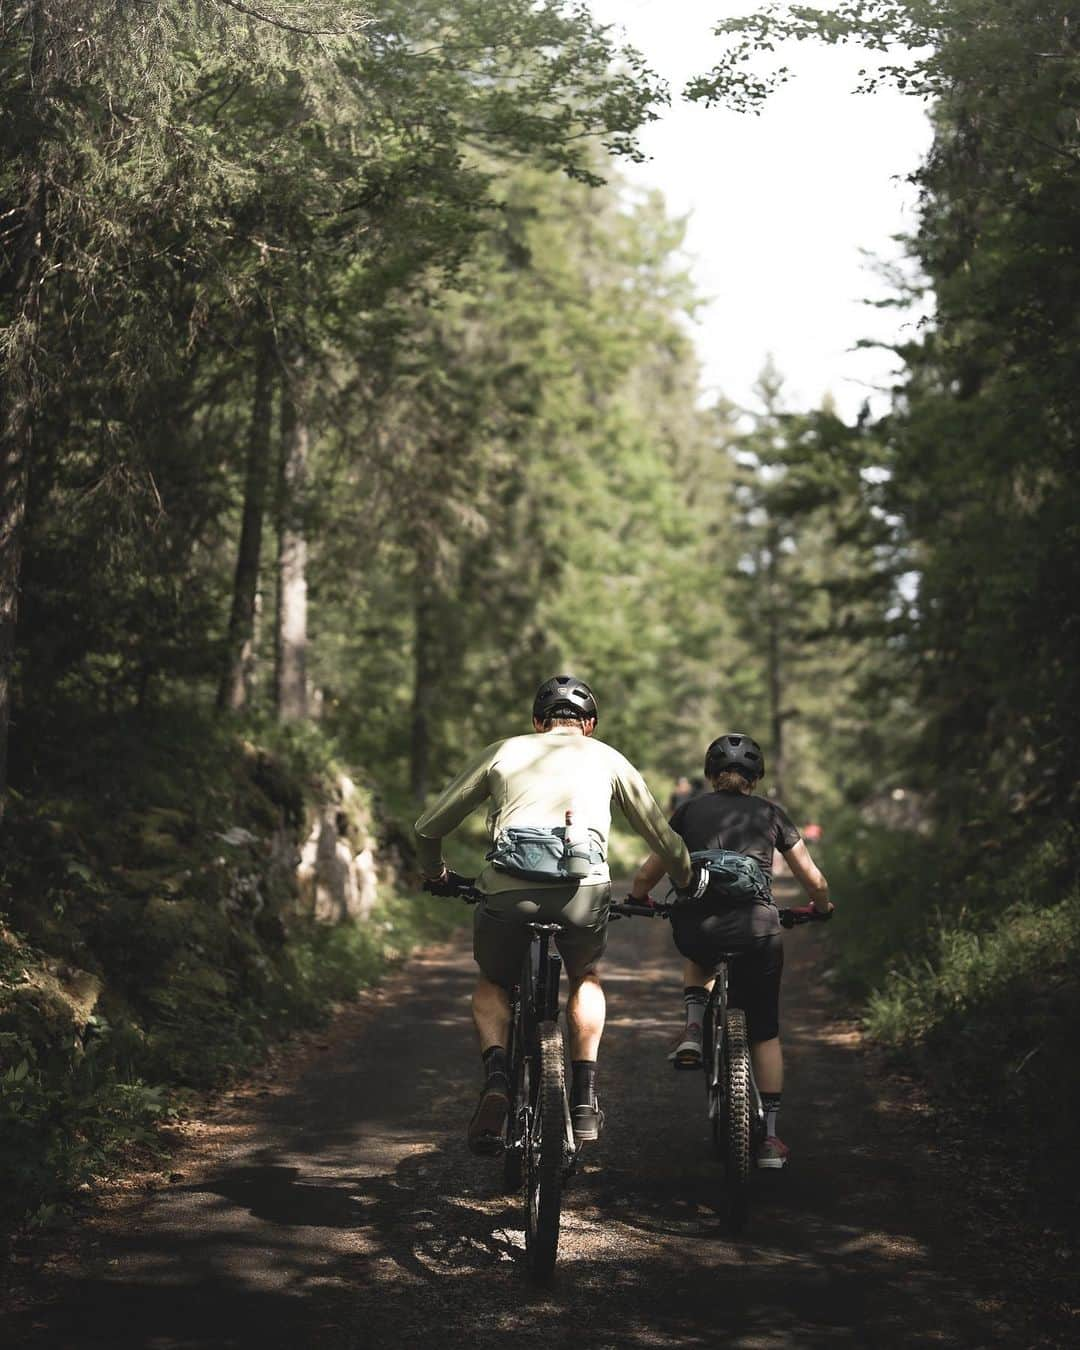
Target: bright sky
(783, 208)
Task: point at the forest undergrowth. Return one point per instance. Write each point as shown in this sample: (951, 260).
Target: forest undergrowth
(964, 959)
(150, 943)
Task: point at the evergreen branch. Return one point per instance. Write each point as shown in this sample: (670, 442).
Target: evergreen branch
(277, 21)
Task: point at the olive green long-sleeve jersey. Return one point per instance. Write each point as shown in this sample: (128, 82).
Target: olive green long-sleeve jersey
(533, 781)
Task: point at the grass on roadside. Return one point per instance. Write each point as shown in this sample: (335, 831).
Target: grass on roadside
(966, 960)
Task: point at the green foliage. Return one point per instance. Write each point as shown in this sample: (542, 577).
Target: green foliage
(967, 963)
(158, 945)
(964, 937)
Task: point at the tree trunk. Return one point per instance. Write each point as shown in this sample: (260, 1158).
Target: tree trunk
(426, 653)
(20, 395)
(774, 659)
(239, 668)
(290, 684)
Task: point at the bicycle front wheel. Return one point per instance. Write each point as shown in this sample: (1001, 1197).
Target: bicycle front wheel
(737, 1160)
(544, 1154)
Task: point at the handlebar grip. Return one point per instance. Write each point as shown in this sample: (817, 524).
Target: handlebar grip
(455, 887)
(646, 909)
(789, 918)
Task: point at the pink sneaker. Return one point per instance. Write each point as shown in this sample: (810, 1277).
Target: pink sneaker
(772, 1152)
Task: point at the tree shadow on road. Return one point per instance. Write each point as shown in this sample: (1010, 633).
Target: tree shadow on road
(277, 1255)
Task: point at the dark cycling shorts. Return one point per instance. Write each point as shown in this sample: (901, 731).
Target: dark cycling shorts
(754, 983)
(500, 938)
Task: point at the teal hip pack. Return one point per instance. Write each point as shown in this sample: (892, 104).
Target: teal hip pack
(543, 855)
(733, 877)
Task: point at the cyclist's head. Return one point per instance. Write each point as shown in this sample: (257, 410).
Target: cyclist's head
(734, 762)
(564, 700)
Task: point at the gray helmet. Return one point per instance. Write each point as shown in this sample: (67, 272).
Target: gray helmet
(735, 750)
(564, 693)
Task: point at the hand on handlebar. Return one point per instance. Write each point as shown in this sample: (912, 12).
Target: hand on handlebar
(804, 914)
(696, 887)
(450, 884)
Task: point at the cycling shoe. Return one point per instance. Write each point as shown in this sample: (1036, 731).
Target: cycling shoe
(587, 1121)
(489, 1119)
(687, 1054)
(772, 1153)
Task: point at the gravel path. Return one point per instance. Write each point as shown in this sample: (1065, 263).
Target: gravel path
(336, 1206)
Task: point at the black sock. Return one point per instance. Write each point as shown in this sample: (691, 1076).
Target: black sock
(583, 1092)
(770, 1104)
(695, 997)
(494, 1061)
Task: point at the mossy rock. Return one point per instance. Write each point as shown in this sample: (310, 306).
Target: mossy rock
(170, 921)
(36, 1014)
(187, 989)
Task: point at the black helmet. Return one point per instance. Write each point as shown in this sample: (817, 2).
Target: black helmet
(564, 693)
(734, 750)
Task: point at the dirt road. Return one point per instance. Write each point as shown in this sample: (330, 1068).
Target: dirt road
(341, 1209)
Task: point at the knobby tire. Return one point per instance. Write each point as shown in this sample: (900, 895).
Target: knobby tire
(738, 1160)
(544, 1155)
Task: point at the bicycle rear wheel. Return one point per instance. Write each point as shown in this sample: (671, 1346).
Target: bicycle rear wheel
(544, 1154)
(737, 1157)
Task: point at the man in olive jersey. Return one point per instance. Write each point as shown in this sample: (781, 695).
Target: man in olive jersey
(732, 817)
(531, 782)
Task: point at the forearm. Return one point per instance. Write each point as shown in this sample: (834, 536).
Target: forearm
(647, 821)
(429, 852)
(445, 814)
(646, 877)
(809, 876)
(819, 894)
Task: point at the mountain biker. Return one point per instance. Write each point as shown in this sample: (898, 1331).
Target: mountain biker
(731, 817)
(531, 783)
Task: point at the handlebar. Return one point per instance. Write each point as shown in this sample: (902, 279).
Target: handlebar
(650, 909)
(645, 909)
(791, 918)
(455, 887)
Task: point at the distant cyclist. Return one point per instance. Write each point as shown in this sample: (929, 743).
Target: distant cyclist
(546, 792)
(730, 817)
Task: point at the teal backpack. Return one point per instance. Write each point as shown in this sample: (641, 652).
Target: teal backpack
(733, 877)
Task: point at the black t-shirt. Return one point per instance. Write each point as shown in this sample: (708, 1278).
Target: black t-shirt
(753, 826)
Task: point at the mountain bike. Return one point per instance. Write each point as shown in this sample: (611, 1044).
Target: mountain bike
(736, 1117)
(539, 1151)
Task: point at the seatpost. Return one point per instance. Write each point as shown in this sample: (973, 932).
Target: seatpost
(542, 973)
(547, 974)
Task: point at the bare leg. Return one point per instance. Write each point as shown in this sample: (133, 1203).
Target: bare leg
(767, 1056)
(491, 1013)
(585, 1010)
(768, 1061)
(697, 977)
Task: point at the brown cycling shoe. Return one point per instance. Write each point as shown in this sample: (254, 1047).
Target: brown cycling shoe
(489, 1118)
